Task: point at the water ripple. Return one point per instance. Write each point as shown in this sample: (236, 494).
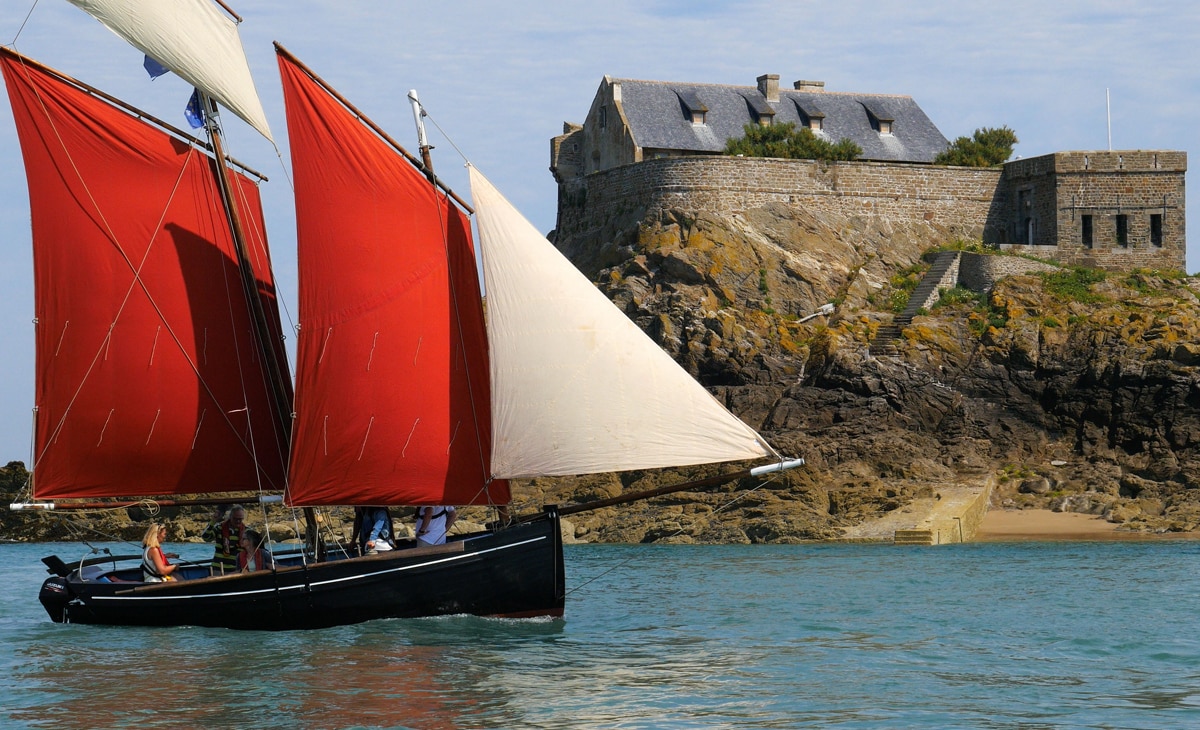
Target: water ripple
(821, 636)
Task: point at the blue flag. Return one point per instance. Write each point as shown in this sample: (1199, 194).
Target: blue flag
(154, 68)
(194, 112)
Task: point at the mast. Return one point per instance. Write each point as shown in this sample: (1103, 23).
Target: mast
(278, 384)
(422, 140)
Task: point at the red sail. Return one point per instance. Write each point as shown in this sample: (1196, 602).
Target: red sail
(391, 375)
(148, 381)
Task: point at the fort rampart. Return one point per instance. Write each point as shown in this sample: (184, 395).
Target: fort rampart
(1116, 210)
(958, 198)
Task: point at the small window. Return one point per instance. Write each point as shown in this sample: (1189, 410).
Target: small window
(1156, 229)
(604, 117)
(810, 114)
(885, 126)
(1122, 230)
(693, 108)
(1086, 231)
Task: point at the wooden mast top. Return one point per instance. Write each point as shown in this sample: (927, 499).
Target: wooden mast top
(375, 128)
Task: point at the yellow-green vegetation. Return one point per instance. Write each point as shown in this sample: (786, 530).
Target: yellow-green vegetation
(939, 338)
(1074, 284)
(1010, 472)
(1147, 281)
(765, 289)
(972, 245)
(958, 295)
(902, 284)
(794, 338)
(985, 316)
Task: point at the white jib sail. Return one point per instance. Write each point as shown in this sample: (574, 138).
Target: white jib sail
(195, 40)
(578, 388)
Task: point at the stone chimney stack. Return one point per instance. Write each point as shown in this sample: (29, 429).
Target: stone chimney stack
(768, 86)
(809, 85)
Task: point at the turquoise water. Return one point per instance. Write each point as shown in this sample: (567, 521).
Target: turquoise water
(1020, 635)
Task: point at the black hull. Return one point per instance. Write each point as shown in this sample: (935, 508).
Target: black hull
(517, 572)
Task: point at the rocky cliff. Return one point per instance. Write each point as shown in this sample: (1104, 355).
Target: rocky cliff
(1075, 391)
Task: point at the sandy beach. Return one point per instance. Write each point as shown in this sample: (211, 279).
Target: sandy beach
(1041, 524)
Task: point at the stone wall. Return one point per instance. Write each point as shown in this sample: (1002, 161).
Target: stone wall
(960, 521)
(961, 199)
(980, 272)
(1058, 199)
(1037, 205)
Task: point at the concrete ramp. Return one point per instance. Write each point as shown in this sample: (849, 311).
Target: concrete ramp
(952, 515)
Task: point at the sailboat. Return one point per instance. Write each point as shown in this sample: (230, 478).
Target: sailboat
(161, 372)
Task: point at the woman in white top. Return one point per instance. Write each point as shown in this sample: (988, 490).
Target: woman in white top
(434, 523)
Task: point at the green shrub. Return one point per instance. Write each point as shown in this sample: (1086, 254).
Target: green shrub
(788, 142)
(988, 147)
(958, 295)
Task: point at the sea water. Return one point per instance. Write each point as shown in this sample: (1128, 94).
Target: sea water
(998, 635)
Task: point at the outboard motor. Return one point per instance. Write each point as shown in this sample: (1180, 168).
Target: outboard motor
(54, 597)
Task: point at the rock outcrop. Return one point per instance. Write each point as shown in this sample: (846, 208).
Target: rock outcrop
(1074, 392)
(1077, 392)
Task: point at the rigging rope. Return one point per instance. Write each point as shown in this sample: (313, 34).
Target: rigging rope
(24, 23)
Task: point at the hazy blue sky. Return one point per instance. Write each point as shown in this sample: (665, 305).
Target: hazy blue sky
(501, 78)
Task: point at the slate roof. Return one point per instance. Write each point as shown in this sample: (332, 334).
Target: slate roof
(659, 115)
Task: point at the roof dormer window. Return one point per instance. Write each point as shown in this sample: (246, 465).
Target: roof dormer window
(881, 119)
(760, 109)
(693, 109)
(810, 115)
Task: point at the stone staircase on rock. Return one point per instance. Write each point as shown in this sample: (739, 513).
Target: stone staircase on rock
(942, 274)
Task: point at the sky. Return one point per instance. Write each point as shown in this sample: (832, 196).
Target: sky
(499, 79)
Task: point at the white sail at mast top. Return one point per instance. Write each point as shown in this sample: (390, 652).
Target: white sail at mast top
(194, 39)
(578, 388)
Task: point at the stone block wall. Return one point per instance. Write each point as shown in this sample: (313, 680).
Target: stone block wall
(1131, 202)
(961, 520)
(961, 199)
(980, 272)
(1036, 205)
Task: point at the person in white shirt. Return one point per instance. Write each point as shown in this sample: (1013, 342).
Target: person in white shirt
(434, 523)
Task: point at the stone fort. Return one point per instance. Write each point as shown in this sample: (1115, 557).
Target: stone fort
(655, 146)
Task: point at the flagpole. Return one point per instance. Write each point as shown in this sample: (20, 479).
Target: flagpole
(1108, 114)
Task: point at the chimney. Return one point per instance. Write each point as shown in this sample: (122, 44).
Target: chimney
(768, 86)
(803, 85)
